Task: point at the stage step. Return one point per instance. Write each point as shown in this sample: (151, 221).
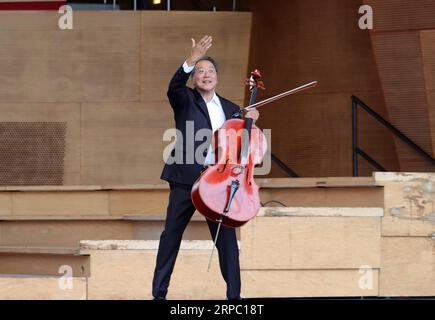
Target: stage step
(322, 192)
(48, 261)
(64, 215)
(34, 287)
(333, 234)
(124, 270)
(67, 231)
(317, 252)
(153, 199)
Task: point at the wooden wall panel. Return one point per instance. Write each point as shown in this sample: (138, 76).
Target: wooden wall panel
(98, 60)
(114, 68)
(400, 68)
(427, 39)
(402, 46)
(294, 42)
(123, 142)
(165, 44)
(313, 134)
(390, 15)
(52, 112)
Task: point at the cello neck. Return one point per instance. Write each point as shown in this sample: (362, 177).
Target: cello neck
(246, 136)
(253, 98)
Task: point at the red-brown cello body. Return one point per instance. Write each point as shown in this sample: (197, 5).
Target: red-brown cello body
(212, 192)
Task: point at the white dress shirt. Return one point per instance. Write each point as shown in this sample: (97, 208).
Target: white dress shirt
(217, 117)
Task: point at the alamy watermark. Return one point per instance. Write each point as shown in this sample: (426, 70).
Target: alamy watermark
(66, 280)
(365, 281)
(201, 147)
(366, 20)
(65, 21)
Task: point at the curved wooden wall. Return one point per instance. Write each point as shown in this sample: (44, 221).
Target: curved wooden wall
(295, 42)
(403, 40)
(107, 80)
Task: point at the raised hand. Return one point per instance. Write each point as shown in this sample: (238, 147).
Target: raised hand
(253, 114)
(199, 49)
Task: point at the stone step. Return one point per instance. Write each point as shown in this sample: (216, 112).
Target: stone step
(312, 238)
(49, 261)
(39, 250)
(115, 200)
(327, 192)
(34, 287)
(64, 231)
(124, 270)
(128, 217)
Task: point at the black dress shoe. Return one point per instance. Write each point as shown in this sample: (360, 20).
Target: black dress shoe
(159, 298)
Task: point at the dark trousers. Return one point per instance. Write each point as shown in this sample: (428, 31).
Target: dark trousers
(180, 211)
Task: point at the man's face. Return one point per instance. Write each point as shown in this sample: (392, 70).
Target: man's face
(205, 76)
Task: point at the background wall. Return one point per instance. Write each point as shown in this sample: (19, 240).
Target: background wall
(89, 106)
(294, 42)
(105, 83)
(403, 43)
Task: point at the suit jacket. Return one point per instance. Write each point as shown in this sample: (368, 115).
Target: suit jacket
(188, 105)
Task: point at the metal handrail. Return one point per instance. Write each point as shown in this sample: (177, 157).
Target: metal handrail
(358, 151)
(283, 166)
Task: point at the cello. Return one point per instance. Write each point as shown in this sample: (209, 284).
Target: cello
(226, 191)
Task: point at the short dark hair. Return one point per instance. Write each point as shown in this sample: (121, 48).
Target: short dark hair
(206, 58)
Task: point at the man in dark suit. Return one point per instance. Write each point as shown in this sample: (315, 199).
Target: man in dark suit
(198, 108)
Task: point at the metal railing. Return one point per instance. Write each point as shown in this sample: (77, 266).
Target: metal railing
(168, 5)
(283, 166)
(358, 151)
